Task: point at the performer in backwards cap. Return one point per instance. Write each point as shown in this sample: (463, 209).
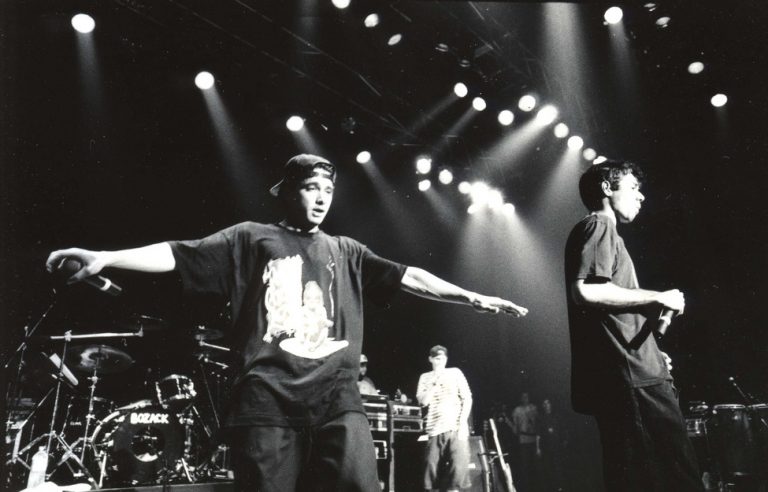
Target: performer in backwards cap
(296, 294)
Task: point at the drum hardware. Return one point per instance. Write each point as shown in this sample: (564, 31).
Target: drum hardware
(205, 344)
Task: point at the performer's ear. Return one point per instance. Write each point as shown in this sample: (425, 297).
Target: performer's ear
(606, 188)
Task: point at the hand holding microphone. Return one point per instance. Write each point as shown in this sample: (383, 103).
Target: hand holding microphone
(673, 303)
(78, 265)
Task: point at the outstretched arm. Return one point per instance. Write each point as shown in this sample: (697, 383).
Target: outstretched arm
(153, 258)
(422, 283)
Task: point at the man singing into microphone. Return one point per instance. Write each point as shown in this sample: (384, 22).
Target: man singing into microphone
(296, 296)
(619, 375)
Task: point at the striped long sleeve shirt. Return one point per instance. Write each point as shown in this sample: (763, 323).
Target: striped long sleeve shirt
(448, 397)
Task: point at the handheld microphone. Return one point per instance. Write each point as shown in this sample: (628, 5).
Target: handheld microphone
(665, 319)
(70, 266)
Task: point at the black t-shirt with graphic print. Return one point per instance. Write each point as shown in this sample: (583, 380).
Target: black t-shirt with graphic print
(611, 349)
(296, 302)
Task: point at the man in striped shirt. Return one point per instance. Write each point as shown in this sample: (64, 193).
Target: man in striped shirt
(446, 394)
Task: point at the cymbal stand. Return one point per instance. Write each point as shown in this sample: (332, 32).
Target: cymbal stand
(52, 434)
(86, 442)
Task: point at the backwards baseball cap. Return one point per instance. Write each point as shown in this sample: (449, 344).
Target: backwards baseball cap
(435, 351)
(303, 166)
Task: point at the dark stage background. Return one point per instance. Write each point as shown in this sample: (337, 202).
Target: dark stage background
(106, 143)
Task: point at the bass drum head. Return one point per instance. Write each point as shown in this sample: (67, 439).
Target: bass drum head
(140, 444)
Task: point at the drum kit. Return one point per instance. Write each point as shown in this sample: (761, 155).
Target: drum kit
(731, 440)
(170, 436)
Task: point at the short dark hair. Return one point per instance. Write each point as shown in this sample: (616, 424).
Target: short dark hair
(591, 182)
(435, 351)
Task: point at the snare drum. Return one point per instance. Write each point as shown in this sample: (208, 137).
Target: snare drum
(175, 392)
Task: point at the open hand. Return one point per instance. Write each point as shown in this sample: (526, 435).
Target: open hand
(487, 304)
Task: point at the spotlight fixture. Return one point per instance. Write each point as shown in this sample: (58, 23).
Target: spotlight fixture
(613, 15)
(589, 154)
(561, 130)
(464, 63)
(465, 188)
(371, 20)
(508, 208)
(83, 23)
(394, 39)
(423, 165)
(204, 80)
(575, 142)
(425, 184)
(650, 6)
(364, 157)
(719, 100)
(295, 123)
(442, 47)
(445, 177)
(599, 160)
(478, 103)
(340, 4)
(695, 68)
(527, 103)
(546, 115)
(506, 117)
(460, 89)
(472, 209)
(662, 22)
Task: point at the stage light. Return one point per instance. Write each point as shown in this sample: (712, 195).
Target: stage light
(464, 63)
(506, 117)
(295, 123)
(561, 130)
(83, 23)
(341, 4)
(204, 80)
(546, 115)
(478, 103)
(372, 20)
(394, 39)
(460, 89)
(472, 209)
(508, 208)
(442, 47)
(613, 15)
(364, 157)
(445, 177)
(479, 193)
(424, 185)
(495, 199)
(650, 6)
(719, 100)
(662, 22)
(423, 165)
(695, 68)
(527, 103)
(589, 154)
(575, 142)
(464, 188)
(599, 160)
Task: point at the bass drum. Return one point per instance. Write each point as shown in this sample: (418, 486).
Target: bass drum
(141, 441)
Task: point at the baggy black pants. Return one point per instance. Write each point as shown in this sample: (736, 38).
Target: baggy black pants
(645, 443)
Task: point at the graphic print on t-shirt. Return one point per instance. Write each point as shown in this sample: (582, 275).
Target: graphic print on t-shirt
(297, 311)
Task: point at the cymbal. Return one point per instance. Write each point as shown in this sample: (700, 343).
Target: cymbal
(202, 333)
(102, 358)
(144, 322)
